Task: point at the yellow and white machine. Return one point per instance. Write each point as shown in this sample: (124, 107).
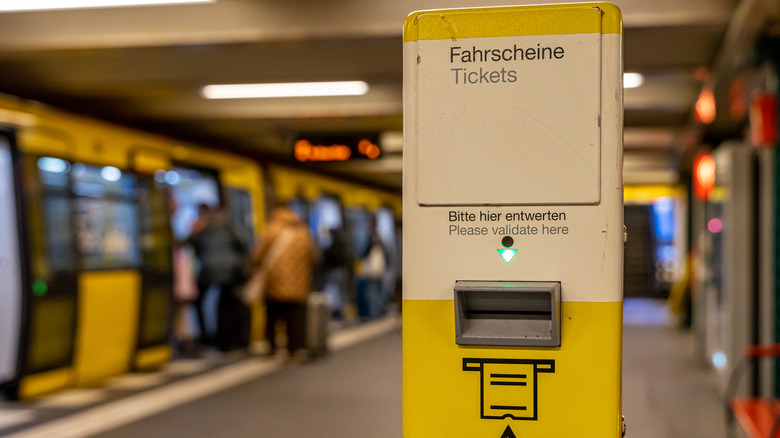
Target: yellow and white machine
(513, 222)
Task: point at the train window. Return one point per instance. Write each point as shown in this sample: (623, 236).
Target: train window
(59, 237)
(106, 233)
(325, 214)
(88, 211)
(51, 239)
(53, 172)
(95, 181)
(241, 210)
(359, 221)
(301, 207)
(385, 226)
(105, 217)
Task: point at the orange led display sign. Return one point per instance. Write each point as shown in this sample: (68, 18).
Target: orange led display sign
(335, 150)
(305, 151)
(368, 149)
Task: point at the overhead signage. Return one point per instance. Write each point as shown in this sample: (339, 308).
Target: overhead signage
(325, 149)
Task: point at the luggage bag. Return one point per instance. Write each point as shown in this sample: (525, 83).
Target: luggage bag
(317, 318)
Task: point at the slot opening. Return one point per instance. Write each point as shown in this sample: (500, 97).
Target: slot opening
(507, 313)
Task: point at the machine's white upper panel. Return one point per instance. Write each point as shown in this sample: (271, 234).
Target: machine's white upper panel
(532, 104)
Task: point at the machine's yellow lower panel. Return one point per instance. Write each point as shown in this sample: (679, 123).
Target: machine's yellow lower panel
(564, 392)
(107, 324)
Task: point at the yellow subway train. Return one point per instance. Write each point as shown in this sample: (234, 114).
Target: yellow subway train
(89, 213)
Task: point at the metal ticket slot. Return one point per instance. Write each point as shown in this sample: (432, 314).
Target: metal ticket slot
(513, 222)
(509, 313)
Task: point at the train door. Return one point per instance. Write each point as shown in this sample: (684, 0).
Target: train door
(156, 304)
(10, 266)
(242, 210)
(52, 297)
(326, 220)
(105, 226)
(190, 188)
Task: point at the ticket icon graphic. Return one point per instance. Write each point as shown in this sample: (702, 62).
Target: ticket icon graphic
(509, 387)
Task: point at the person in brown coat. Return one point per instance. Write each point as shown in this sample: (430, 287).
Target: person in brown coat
(287, 251)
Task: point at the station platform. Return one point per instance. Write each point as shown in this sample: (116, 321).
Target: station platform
(354, 391)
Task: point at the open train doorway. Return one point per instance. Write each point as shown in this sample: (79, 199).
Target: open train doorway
(326, 221)
(191, 189)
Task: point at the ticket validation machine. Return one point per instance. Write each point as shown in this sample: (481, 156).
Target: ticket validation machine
(513, 222)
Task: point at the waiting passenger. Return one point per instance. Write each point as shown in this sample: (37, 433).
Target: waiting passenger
(371, 298)
(287, 252)
(335, 272)
(185, 290)
(197, 303)
(222, 257)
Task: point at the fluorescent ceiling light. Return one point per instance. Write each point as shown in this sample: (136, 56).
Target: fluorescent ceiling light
(41, 5)
(291, 89)
(633, 80)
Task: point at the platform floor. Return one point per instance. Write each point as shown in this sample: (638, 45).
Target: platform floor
(354, 392)
(666, 393)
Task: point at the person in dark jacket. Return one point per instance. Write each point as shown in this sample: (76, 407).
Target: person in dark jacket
(370, 297)
(222, 258)
(334, 264)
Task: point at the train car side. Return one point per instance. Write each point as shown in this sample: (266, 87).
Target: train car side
(95, 293)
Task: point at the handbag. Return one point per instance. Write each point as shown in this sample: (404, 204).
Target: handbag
(254, 289)
(184, 287)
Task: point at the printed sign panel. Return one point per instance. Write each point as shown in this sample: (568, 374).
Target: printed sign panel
(519, 111)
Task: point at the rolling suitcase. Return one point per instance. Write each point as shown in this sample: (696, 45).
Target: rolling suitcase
(317, 318)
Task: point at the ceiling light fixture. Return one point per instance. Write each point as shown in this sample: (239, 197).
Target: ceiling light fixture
(291, 89)
(43, 5)
(633, 80)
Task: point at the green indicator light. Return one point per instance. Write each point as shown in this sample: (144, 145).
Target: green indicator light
(507, 254)
(40, 288)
